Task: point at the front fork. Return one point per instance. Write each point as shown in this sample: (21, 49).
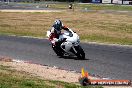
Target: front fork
(74, 50)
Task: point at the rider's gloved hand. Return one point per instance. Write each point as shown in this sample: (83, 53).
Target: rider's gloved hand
(62, 40)
(65, 28)
(55, 39)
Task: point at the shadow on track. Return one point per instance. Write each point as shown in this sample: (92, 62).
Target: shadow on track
(72, 57)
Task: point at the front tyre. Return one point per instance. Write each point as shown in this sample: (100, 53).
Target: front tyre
(57, 50)
(80, 52)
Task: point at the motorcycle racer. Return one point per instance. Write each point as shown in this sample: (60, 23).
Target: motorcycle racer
(56, 30)
(66, 43)
(55, 33)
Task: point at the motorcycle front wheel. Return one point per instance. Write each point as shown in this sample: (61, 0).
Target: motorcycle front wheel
(57, 50)
(80, 52)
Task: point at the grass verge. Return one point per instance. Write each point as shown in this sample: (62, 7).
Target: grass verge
(91, 26)
(106, 39)
(10, 78)
(65, 5)
(93, 6)
(106, 7)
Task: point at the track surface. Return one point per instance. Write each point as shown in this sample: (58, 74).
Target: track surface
(103, 60)
(22, 6)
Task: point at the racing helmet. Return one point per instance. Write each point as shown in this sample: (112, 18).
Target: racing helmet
(57, 25)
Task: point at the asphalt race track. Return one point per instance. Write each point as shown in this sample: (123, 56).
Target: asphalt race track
(104, 60)
(20, 6)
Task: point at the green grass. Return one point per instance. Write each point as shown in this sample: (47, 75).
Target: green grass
(59, 6)
(106, 7)
(92, 6)
(16, 79)
(106, 39)
(91, 26)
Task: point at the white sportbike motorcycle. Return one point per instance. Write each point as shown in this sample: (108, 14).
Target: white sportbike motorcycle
(70, 44)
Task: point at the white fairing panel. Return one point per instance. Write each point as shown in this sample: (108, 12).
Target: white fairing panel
(72, 39)
(67, 45)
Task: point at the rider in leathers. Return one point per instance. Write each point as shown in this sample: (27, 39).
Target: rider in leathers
(55, 32)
